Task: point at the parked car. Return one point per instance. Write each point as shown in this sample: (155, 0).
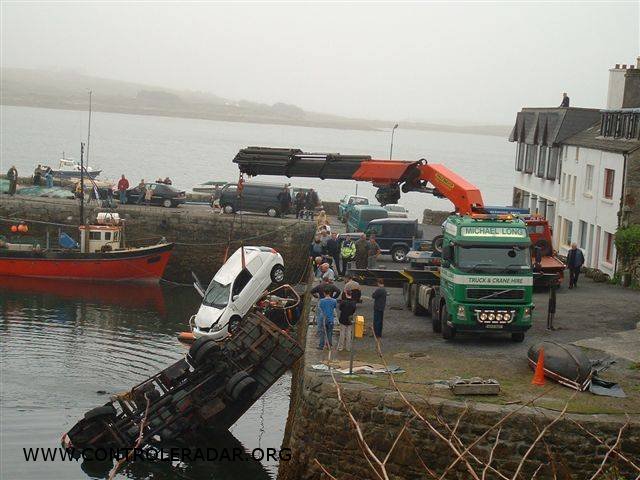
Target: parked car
(396, 211)
(235, 289)
(165, 195)
(395, 236)
(361, 215)
(256, 197)
(347, 203)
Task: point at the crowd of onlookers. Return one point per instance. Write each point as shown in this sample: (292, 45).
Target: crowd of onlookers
(331, 256)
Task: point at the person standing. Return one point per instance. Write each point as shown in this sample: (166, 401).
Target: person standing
(37, 175)
(373, 252)
(362, 252)
(148, 195)
(379, 304)
(123, 186)
(284, 197)
(333, 250)
(48, 178)
(311, 201)
(299, 204)
(565, 100)
(575, 260)
(347, 308)
(142, 192)
(12, 176)
(347, 253)
(353, 287)
(327, 306)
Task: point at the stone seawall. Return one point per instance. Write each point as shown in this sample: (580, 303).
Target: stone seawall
(318, 428)
(201, 236)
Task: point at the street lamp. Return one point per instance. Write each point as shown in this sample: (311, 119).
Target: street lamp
(393, 130)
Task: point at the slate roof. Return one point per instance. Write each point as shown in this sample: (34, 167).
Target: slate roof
(550, 126)
(591, 138)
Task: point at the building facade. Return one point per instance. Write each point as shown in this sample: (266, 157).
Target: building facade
(580, 168)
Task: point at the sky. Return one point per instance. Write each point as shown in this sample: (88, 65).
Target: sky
(449, 62)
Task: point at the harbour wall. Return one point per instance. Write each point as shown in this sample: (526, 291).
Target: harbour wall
(318, 430)
(201, 236)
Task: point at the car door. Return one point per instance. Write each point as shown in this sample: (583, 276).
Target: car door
(248, 286)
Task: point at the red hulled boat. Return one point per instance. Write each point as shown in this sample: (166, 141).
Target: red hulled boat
(100, 256)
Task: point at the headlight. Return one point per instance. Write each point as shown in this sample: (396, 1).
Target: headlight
(499, 317)
(461, 312)
(492, 317)
(483, 316)
(507, 317)
(527, 312)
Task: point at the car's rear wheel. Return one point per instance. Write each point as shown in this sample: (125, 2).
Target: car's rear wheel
(227, 208)
(166, 203)
(277, 274)
(399, 254)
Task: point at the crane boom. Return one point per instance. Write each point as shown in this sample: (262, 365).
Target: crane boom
(389, 176)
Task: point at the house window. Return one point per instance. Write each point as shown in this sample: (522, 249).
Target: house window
(107, 235)
(588, 179)
(608, 253)
(577, 154)
(94, 235)
(609, 175)
(582, 234)
(542, 162)
(552, 167)
(520, 157)
(567, 230)
(532, 151)
(573, 187)
(563, 184)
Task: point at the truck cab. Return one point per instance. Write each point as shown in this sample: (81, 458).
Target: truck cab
(486, 279)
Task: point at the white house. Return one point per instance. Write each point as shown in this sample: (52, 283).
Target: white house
(580, 168)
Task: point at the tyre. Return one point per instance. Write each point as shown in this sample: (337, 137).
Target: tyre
(435, 318)
(399, 254)
(206, 352)
(234, 324)
(272, 212)
(277, 274)
(166, 203)
(103, 411)
(436, 244)
(406, 294)
(447, 332)
(195, 346)
(517, 337)
(416, 308)
(244, 389)
(227, 208)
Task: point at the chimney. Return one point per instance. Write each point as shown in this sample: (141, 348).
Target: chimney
(631, 93)
(615, 92)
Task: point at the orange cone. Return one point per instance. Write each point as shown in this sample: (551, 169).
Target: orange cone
(538, 376)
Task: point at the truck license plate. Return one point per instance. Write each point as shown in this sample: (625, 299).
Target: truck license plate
(496, 326)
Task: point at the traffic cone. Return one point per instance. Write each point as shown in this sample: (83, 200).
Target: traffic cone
(538, 376)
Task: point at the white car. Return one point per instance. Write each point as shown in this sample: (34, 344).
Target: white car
(233, 291)
(396, 211)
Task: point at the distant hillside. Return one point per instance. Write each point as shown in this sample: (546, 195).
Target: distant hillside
(68, 90)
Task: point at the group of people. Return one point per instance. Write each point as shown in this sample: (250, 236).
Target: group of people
(334, 303)
(304, 204)
(37, 176)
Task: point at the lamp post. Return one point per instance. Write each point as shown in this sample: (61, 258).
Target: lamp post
(393, 130)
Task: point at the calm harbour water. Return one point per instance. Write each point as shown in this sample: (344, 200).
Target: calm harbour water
(65, 347)
(61, 343)
(193, 151)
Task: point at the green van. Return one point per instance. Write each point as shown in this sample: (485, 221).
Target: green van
(361, 215)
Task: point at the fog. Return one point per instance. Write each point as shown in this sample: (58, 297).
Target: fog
(471, 63)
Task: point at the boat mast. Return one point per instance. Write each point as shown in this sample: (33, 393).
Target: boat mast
(89, 129)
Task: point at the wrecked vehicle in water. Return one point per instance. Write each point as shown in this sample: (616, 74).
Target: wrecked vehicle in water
(213, 386)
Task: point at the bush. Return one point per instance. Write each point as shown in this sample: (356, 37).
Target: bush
(627, 242)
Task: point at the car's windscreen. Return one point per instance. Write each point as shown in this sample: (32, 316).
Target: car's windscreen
(217, 295)
(493, 259)
(372, 215)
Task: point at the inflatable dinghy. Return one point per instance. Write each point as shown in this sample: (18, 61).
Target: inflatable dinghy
(566, 364)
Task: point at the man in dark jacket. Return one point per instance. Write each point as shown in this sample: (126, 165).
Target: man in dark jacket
(333, 250)
(284, 197)
(565, 100)
(12, 176)
(299, 203)
(311, 202)
(362, 252)
(379, 304)
(575, 260)
(347, 308)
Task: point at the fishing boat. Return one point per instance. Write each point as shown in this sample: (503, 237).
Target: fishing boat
(69, 168)
(100, 256)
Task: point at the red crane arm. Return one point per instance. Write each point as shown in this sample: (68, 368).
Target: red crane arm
(465, 196)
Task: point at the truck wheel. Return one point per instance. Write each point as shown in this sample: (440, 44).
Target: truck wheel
(447, 332)
(435, 318)
(406, 294)
(100, 412)
(241, 385)
(517, 336)
(399, 254)
(416, 308)
(436, 244)
(195, 346)
(227, 208)
(206, 352)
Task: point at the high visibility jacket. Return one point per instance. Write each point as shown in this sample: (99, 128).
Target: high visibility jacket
(348, 250)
